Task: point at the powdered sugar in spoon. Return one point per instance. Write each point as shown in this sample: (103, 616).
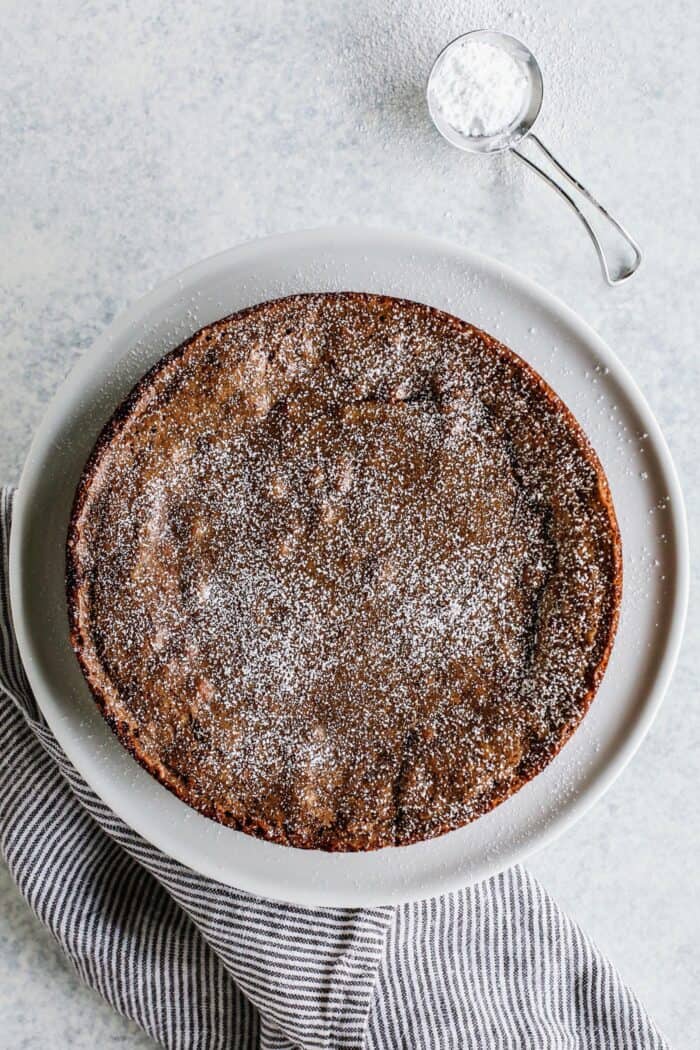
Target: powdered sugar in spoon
(484, 95)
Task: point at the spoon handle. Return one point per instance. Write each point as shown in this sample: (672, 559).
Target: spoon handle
(620, 274)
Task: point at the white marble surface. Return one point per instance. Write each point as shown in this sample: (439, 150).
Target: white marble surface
(139, 137)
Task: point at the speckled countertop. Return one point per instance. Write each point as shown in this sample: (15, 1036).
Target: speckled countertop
(140, 137)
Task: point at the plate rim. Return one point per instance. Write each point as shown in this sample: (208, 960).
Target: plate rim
(600, 782)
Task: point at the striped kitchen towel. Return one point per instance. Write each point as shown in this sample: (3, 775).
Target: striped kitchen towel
(200, 966)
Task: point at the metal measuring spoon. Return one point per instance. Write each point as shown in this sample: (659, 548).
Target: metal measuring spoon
(509, 137)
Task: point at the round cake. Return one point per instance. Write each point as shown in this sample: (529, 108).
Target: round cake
(343, 572)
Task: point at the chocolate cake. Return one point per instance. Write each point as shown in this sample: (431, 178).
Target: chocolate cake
(343, 572)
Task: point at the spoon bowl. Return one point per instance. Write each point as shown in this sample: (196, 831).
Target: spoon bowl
(530, 107)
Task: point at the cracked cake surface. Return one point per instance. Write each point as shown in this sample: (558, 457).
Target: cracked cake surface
(343, 572)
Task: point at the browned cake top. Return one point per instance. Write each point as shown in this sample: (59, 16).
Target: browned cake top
(343, 571)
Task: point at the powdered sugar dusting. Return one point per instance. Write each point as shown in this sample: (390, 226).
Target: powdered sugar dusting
(479, 88)
(350, 573)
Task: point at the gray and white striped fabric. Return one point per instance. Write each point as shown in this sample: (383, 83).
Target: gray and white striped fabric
(200, 966)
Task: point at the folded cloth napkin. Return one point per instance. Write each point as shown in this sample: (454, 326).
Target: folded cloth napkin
(201, 967)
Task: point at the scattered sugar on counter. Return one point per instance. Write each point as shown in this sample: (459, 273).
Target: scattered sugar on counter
(480, 89)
